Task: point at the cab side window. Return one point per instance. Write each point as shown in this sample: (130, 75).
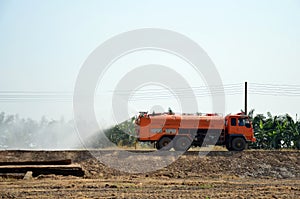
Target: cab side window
(233, 121)
(248, 123)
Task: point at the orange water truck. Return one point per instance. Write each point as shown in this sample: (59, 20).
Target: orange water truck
(181, 131)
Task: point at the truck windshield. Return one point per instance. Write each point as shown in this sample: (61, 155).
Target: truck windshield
(242, 121)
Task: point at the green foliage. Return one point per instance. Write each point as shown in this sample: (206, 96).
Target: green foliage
(275, 132)
(123, 134)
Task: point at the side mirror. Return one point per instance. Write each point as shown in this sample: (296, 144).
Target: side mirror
(248, 125)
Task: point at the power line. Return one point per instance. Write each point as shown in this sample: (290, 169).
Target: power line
(284, 90)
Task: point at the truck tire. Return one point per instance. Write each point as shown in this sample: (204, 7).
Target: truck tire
(182, 143)
(238, 144)
(164, 143)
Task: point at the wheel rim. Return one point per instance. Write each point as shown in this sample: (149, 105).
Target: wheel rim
(165, 143)
(239, 144)
(182, 144)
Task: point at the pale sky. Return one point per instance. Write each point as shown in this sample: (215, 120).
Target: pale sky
(43, 45)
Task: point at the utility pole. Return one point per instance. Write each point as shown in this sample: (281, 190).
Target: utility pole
(246, 111)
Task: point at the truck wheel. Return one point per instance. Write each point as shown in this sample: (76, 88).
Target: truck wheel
(182, 144)
(238, 144)
(164, 143)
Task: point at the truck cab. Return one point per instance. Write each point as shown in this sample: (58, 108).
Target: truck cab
(239, 131)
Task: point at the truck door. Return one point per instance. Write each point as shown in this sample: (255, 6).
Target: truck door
(238, 126)
(233, 126)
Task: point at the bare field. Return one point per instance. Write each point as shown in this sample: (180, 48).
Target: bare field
(248, 174)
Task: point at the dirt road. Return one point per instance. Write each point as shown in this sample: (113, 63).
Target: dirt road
(248, 174)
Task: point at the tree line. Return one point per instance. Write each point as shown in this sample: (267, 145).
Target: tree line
(271, 132)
